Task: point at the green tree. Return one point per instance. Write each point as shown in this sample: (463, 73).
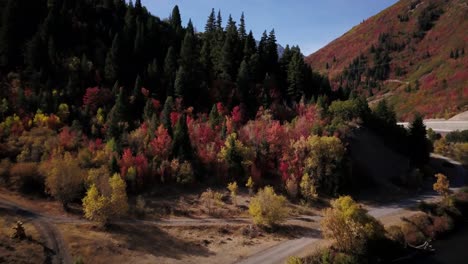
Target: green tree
(170, 68)
(9, 42)
(250, 46)
(166, 114)
(181, 83)
(236, 156)
(116, 117)
(243, 81)
(272, 53)
(181, 145)
(210, 26)
(111, 70)
(231, 43)
(242, 30)
(385, 113)
(175, 20)
(419, 145)
(295, 77)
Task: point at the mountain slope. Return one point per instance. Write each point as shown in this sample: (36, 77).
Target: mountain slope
(412, 53)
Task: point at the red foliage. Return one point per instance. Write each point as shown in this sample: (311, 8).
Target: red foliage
(161, 143)
(145, 91)
(93, 146)
(53, 122)
(126, 162)
(28, 92)
(92, 98)
(156, 104)
(144, 128)
(174, 118)
(205, 140)
(67, 138)
(141, 166)
(220, 108)
(236, 115)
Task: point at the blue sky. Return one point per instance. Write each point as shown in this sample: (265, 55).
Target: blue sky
(311, 24)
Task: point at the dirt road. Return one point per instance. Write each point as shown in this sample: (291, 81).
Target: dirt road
(278, 254)
(54, 246)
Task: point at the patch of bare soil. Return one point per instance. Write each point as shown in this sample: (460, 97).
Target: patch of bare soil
(132, 243)
(29, 250)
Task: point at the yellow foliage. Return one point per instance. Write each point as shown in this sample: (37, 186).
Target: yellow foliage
(100, 178)
(119, 199)
(460, 152)
(233, 145)
(250, 183)
(211, 199)
(101, 208)
(349, 225)
(95, 206)
(268, 208)
(308, 188)
(63, 111)
(63, 177)
(233, 188)
(442, 186)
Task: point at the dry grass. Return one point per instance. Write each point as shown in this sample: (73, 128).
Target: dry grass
(17, 251)
(152, 244)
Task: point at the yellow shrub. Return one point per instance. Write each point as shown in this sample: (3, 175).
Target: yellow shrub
(267, 208)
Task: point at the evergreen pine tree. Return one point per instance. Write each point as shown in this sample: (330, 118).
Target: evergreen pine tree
(231, 43)
(166, 114)
(111, 70)
(181, 146)
(242, 30)
(181, 83)
(137, 96)
(175, 20)
(215, 117)
(219, 22)
(419, 144)
(153, 75)
(170, 68)
(34, 54)
(9, 42)
(116, 117)
(250, 46)
(210, 26)
(272, 52)
(296, 77)
(243, 81)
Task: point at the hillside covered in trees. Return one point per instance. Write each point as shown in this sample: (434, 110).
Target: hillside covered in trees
(412, 53)
(92, 89)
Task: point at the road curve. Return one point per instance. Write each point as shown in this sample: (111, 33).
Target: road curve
(54, 246)
(442, 126)
(278, 254)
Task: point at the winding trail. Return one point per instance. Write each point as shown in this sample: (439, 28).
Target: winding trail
(55, 248)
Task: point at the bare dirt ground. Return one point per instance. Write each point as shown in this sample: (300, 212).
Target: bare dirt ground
(19, 251)
(49, 238)
(190, 236)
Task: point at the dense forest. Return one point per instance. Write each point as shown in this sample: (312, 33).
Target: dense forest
(69, 46)
(97, 88)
